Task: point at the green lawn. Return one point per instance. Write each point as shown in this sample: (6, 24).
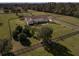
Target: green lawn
(4, 29)
(71, 42)
(36, 12)
(58, 30)
(69, 19)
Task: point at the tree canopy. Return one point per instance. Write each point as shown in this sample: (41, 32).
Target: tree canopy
(44, 32)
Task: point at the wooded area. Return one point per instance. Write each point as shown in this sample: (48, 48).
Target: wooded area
(70, 9)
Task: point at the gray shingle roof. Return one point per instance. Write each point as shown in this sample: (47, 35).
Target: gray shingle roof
(36, 19)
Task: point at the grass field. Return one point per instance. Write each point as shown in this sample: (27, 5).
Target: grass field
(58, 30)
(71, 42)
(4, 29)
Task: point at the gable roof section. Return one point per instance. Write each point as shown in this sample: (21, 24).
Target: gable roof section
(37, 17)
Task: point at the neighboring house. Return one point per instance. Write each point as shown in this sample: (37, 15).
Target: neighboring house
(30, 20)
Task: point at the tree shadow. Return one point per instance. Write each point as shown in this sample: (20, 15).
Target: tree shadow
(25, 42)
(8, 54)
(55, 48)
(15, 36)
(1, 24)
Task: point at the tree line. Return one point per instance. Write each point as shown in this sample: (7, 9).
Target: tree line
(70, 9)
(13, 8)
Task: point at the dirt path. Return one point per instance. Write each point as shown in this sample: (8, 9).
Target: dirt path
(67, 24)
(27, 49)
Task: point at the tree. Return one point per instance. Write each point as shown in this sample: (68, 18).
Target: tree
(28, 31)
(16, 32)
(22, 36)
(6, 10)
(1, 24)
(19, 9)
(23, 39)
(19, 29)
(59, 8)
(25, 8)
(16, 9)
(5, 46)
(56, 49)
(44, 33)
(15, 35)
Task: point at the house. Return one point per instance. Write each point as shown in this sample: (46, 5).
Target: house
(31, 20)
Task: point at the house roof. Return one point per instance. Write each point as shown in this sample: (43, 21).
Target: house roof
(36, 19)
(38, 16)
